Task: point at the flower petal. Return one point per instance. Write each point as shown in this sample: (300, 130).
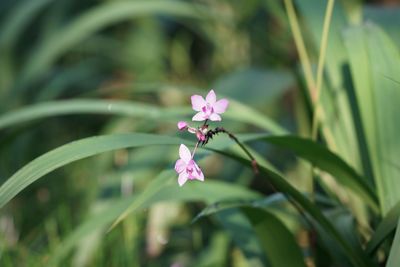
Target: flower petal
(198, 102)
(185, 154)
(200, 116)
(215, 117)
(183, 177)
(198, 173)
(200, 136)
(180, 166)
(182, 125)
(220, 106)
(211, 97)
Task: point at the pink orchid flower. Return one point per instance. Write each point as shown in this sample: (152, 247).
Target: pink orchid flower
(210, 108)
(187, 167)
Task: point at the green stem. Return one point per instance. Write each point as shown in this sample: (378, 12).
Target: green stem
(234, 138)
(321, 63)
(300, 46)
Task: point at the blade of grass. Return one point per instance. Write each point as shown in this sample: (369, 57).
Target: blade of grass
(385, 227)
(167, 190)
(394, 255)
(237, 111)
(95, 145)
(300, 46)
(320, 69)
(373, 57)
(11, 29)
(96, 19)
(278, 242)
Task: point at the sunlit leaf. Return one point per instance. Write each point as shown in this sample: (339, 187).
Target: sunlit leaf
(237, 112)
(374, 63)
(385, 227)
(394, 256)
(278, 242)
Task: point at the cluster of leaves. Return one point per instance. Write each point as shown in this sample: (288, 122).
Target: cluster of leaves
(336, 204)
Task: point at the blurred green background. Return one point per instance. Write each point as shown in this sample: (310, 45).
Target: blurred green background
(75, 69)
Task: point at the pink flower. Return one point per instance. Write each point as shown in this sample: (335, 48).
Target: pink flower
(182, 125)
(187, 167)
(200, 136)
(210, 108)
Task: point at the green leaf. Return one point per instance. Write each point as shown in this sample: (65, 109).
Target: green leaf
(11, 29)
(386, 17)
(322, 158)
(327, 161)
(394, 255)
(106, 107)
(95, 145)
(162, 188)
(263, 86)
(334, 100)
(385, 227)
(243, 236)
(374, 64)
(72, 152)
(237, 112)
(278, 242)
(98, 18)
(355, 256)
(243, 113)
(18, 20)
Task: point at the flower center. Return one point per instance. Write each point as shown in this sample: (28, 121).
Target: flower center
(190, 169)
(208, 109)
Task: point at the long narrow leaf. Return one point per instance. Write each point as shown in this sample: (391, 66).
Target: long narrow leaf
(162, 188)
(278, 242)
(394, 255)
(95, 145)
(385, 227)
(374, 63)
(327, 161)
(237, 111)
(99, 18)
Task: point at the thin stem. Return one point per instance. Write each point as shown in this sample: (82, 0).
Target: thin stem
(256, 171)
(195, 148)
(321, 63)
(234, 138)
(198, 142)
(300, 46)
(307, 69)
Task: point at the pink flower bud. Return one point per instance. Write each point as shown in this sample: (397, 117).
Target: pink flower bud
(182, 125)
(200, 136)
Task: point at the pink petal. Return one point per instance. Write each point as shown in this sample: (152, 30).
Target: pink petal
(200, 116)
(182, 125)
(185, 154)
(200, 136)
(198, 173)
(180, 166)
(198, 102)
(215, 117)
(211, 97)
(183, 177)
(220, 106)
(192, 130)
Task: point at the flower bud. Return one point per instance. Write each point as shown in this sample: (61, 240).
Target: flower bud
(182, 125)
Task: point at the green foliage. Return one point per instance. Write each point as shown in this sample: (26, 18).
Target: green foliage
(91, 94)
